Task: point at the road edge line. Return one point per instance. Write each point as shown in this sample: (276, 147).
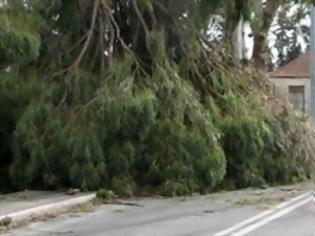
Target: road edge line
(251, 220)
(272, 217)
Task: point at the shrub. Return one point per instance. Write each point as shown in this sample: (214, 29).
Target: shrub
(265, 148)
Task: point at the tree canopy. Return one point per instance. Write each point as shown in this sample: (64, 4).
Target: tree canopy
(132, 95)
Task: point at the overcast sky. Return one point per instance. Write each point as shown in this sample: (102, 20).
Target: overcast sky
(271, 39)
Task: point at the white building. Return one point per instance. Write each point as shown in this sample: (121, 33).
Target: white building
(293, 81)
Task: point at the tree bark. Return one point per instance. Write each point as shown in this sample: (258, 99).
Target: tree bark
(239, 43)
(234, 28)
(231, 21)
(266, 16)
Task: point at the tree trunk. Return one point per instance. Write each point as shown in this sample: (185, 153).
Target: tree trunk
(234, 29)
(239, 41)
(265, 16)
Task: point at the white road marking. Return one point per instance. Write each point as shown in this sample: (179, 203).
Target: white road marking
(273, 217)
(260, 217)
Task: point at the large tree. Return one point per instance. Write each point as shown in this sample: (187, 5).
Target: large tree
(133, 95)
(101, 87)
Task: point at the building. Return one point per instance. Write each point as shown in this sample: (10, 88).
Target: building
(293, 81)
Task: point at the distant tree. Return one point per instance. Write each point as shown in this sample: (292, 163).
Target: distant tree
(289, 33)
(263, 17)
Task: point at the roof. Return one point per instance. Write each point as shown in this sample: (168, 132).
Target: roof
(298, 68)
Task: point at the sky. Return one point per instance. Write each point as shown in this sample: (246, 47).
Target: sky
(249, 41)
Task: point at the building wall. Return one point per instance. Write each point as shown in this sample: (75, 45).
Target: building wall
(282, 87)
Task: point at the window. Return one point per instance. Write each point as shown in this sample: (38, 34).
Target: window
(297, 97)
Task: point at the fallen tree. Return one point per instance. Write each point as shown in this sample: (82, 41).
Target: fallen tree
(131, 96)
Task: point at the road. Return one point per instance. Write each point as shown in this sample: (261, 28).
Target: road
(199, 216)
(300, 222)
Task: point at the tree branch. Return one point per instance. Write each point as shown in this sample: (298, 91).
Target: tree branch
(89, 36)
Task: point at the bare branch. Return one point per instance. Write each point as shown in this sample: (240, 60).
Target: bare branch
(141, 19)
(89, 37)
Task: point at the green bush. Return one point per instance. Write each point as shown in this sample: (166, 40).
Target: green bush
(129, 108)
(287, 154)
(243, 146)
(266, 148)
(125, 137)
(15, 94)
(106, 195)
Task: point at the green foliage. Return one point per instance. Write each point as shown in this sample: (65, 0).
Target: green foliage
(20, 47)
(289, 149)
(178, 187)
(20, 40)
(265, 148)
(243, 145)
(146, 107)
(15, 94)
(105, 195)
(124, 138)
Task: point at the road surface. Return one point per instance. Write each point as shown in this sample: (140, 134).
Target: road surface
(300, 222)
(199, 216)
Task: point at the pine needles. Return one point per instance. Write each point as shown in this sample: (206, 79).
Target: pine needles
(147, 106)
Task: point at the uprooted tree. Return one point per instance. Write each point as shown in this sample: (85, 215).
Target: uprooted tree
(131, 95)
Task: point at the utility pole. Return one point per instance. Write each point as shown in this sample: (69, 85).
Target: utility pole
(312, 66)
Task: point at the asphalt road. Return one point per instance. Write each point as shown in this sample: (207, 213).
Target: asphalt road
(178, 217)
(300, 222)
